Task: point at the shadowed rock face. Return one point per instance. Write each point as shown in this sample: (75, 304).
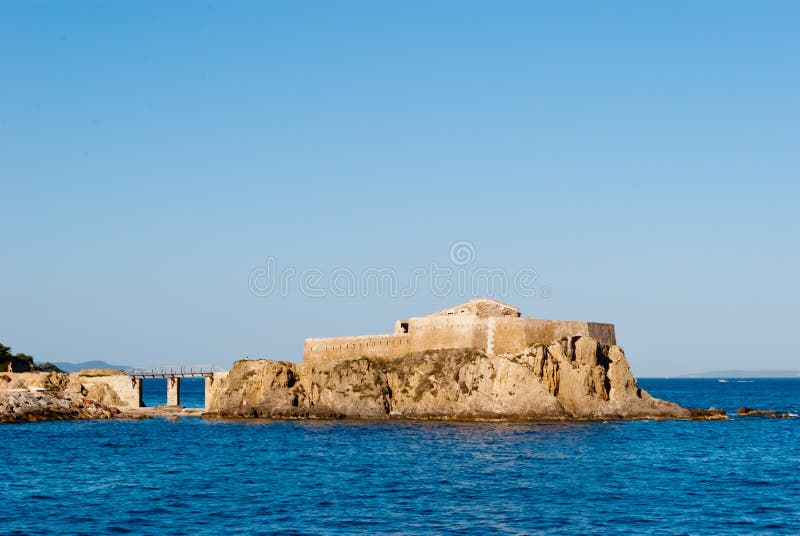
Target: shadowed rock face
(573, 378)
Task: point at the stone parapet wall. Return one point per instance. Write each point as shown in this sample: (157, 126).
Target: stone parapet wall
(516, 334)
(494, 335)
(433, 333)
(327, 349)
(604, 333)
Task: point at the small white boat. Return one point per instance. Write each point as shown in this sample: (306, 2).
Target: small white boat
(722, 381)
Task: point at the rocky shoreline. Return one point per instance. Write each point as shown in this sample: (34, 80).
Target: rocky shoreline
(23, 405)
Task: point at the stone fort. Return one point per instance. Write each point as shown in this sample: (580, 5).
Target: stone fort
(481, 323)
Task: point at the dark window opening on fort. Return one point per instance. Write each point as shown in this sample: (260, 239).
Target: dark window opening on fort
(404, 327)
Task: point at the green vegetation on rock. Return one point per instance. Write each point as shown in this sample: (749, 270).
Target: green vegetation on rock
(22, 362)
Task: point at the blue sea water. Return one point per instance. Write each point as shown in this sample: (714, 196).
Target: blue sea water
(154, 392)
(195, 476)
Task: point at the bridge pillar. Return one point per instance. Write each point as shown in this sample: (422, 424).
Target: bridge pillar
(173, 391)
(137, 392)
(209, 382)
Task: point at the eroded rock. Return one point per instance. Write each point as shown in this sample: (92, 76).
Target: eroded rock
(21, 405)
(573, 378)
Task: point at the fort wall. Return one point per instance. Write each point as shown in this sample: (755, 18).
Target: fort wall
(438, 332)
(516, 334)
(603, 332)
(331, 348)
(492, 335)
(481, 323)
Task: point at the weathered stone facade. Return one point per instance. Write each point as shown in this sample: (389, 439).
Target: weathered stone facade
(482, 323)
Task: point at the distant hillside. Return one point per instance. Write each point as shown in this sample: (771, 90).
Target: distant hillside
(745, 374)
(74, 367)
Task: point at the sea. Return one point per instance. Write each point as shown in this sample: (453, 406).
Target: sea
(199, 476)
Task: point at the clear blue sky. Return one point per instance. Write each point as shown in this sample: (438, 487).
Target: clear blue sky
(642, 157)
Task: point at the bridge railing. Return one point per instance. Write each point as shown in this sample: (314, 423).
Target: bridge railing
(173, 371)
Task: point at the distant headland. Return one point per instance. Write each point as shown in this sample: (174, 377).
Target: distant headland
(95, 364)
(744, 374)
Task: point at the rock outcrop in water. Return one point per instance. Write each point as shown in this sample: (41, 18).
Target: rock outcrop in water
(744, 411)
(40, 396)
(25, 405)
(573, 378)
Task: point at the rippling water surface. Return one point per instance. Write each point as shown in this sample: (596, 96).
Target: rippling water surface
(195, 476)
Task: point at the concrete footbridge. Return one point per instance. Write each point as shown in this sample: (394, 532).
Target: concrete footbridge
(173, 374)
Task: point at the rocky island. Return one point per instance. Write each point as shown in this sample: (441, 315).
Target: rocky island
(573, 378)
(478, 361)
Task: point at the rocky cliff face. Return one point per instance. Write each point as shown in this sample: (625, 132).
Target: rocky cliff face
(573, 378)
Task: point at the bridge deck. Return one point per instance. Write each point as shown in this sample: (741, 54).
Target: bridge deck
(172, 372)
